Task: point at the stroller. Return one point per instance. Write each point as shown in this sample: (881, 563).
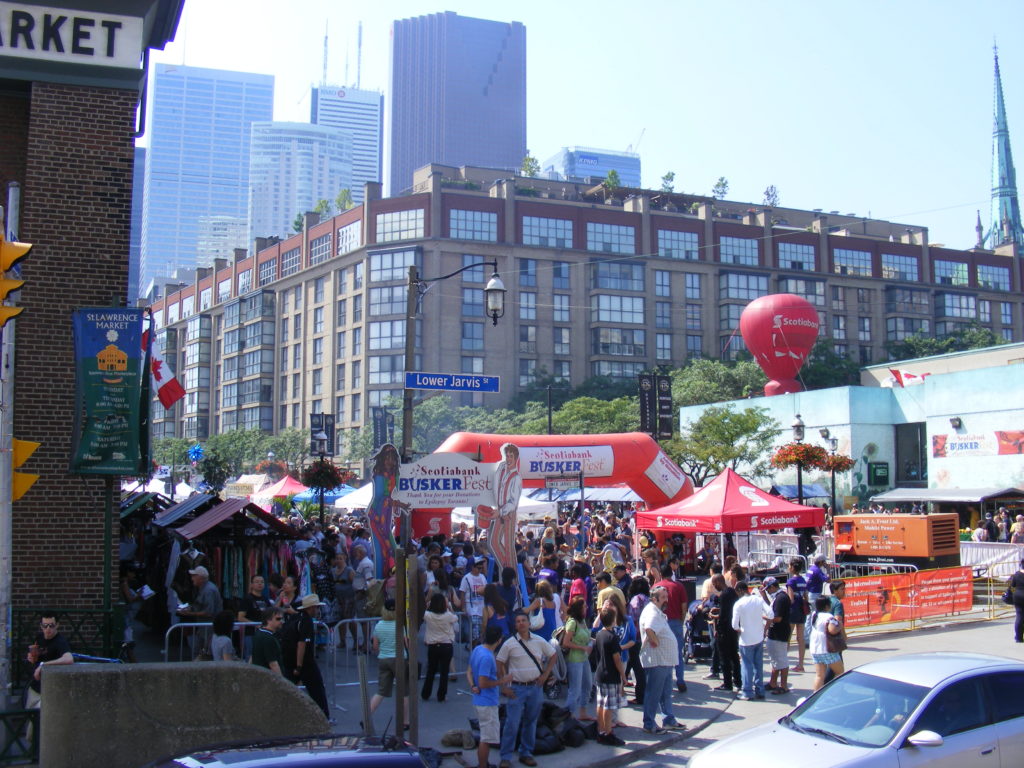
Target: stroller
(558, 680)
(697, 640)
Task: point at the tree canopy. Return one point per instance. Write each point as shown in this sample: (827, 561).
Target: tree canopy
(971, 336)
(712, 381)
(722, 437)
(826, 368)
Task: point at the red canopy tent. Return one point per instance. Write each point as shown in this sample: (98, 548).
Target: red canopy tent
(286, 486)
(730, 504)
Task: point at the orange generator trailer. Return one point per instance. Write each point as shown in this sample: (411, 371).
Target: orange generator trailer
(927, 541)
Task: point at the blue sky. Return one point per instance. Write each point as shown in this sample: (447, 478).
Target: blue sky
(874, 108)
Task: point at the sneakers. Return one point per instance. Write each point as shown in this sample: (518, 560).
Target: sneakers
(712, 676)
(723, 687)
(610, 739)
(681, 687)
(527, 760)
(655, 731)
(742, 697)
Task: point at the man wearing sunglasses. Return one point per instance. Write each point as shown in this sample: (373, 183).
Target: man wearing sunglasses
(50, 649)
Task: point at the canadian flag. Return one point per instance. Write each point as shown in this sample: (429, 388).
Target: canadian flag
(168, 388)
(906, 378)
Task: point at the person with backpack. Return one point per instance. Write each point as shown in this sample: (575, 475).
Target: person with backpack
(298, 641)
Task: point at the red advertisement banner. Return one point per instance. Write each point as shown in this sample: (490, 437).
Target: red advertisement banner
(904, 596)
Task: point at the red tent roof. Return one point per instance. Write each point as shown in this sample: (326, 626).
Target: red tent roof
(286, 486)
(729, 504)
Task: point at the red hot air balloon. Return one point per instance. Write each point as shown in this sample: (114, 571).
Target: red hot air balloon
(780, 330)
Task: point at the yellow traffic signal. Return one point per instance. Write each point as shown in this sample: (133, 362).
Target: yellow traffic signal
(11, 253)
(21, 481)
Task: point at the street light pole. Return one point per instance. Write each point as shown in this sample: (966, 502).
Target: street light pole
(798, 437)
(833, 445)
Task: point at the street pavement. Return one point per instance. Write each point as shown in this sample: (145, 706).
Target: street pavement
(705, 714)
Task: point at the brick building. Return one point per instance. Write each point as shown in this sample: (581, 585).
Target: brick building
(610, 286)
(67, 124)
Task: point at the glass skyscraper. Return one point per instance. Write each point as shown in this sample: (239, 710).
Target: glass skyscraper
(458, 95)
(197, 166)
(291, 167)
(361, 114)
(580, 163)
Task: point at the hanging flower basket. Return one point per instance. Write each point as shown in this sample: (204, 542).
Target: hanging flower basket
(322, 474)
(806, 455)
(838, 463)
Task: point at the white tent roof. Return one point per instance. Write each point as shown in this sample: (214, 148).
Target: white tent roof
(529, 510)
(358, 499)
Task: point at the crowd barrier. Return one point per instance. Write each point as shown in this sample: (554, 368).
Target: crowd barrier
(991, 559)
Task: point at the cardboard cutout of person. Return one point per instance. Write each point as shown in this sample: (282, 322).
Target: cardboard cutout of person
(381, 511)
(500, 520)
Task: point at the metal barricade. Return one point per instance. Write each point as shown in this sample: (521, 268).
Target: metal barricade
(856, 570)
(770, 563)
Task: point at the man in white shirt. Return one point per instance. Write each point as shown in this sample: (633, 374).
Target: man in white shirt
(749, 615)
(659, 655)
(471, 592)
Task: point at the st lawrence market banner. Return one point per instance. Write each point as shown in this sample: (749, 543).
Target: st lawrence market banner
(109, 367)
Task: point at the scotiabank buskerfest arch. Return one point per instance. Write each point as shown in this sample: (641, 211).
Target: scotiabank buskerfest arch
(633, 458)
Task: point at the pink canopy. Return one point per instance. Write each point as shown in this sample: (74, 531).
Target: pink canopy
(286, 486)
(729, 504)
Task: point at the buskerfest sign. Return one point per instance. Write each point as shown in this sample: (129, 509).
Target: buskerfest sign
(445, 480)
(592, 461)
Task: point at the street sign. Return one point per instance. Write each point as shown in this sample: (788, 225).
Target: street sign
(562, 482)
(451, 382)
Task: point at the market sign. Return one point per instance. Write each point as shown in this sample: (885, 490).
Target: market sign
(108, 435)
(536, 463)
(445, 480)
(70, 36)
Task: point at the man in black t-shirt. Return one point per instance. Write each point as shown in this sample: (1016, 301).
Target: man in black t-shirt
(610, 679)
(779, 632)
(298, 641)
(50, 649)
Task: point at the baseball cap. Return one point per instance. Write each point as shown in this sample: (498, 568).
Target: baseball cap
(200, 570)
(771, 581)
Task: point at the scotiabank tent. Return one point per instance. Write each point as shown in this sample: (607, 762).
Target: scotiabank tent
(730, 504)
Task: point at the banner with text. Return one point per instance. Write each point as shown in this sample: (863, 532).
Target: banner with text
(109, 367)
(445, 480)
(591, 460)
(896, 597)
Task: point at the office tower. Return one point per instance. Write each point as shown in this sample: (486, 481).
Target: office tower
(135, 236)
(291, 167)
(581, 163)
(1006, 220)
(458, 95)
(361, 114)
(197, 174)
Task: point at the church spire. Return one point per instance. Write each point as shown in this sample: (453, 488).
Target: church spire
(1006, 221)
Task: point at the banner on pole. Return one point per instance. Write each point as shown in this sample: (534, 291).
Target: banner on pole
(109, 366)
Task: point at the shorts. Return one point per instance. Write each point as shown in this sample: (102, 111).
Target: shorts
(386, 676)
(610, 696)
(827, 658)
(490, 730)
(777, 654)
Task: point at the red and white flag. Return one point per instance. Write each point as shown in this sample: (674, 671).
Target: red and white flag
(906, 378)
(168, 388)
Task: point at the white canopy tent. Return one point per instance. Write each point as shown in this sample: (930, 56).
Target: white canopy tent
(358, 499)
(529, 511)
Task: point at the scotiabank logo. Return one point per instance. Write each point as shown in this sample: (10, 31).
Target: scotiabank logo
(674, 522)
(755, 520)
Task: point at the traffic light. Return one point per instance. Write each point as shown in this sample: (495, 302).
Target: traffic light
(21, 481)
(11, 254)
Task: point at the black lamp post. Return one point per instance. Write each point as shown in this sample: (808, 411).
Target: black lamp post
(321, 438)
(798, 437)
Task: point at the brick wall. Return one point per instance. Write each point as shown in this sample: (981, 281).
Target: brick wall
(77, 151)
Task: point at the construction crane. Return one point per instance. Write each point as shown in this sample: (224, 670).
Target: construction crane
(636, 147)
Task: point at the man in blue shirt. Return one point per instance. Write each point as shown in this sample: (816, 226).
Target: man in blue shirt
(482, 675)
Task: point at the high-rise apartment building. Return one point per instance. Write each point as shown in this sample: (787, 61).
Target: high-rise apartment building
(598, 285)
(197, 169)
(291, 167)
(135, 239)
(458, 95)
(582, 163)
(361, 114)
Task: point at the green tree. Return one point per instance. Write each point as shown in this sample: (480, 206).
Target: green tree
(826, 368)
(172, 451)
(290, 445)
(589, 416)
(668, 182)
(324, 207)
(771, 196)
(722, 437)
(713, 381)
(605, 388)
(240, 449)
(972, 336)
(215, 471)
(530, 166)
(344, 200)
(611, 183)
(721, 188)
(297, 223)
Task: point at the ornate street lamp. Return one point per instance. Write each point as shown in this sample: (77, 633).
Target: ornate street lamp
(798, 437)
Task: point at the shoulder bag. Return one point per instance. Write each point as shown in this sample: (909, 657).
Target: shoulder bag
(835, 643)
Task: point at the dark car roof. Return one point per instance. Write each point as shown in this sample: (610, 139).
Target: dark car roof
(301, 753)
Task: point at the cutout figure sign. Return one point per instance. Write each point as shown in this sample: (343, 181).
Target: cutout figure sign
(500, 520)
(780, 331)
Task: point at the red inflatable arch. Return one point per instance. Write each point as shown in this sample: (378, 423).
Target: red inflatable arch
(633, 458)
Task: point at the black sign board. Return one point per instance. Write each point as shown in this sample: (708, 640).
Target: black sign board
(321, 434)
(648, 404)
(665, 421)
(878, 473)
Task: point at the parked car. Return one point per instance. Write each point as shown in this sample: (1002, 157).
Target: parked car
(941, 710)
(348, 751)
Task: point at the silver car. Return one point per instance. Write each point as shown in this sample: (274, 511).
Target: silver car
(940, 710)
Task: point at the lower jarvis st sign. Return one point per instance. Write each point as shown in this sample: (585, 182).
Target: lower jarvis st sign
(451, 382)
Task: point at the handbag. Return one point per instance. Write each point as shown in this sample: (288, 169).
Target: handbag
(835, 643)
(537, 619)
(1008, 596)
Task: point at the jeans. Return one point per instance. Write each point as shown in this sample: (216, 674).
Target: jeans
(469, 629)
(658, 694)
(521, 713)
(639, 676)
(752, 667)
(676, 625)
(439, 658)
(580, 683)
